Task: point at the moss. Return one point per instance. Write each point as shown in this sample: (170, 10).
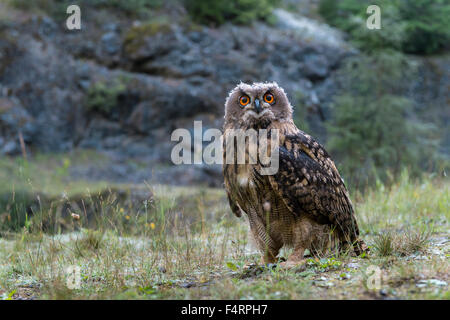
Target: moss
(57, 8)
(135, 37)
(236, 11)
(103, 96)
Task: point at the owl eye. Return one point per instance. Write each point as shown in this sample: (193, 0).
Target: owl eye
(268, 97)
(244, 100)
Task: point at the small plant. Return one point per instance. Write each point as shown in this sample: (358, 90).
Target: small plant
(235, 11)
(324, 264)
(384, 244)
(103, 96)
(8, 296)
(409, 242)
(413, 241)
(57, 8)
(412, 26)
(91, 240)
(373, 134)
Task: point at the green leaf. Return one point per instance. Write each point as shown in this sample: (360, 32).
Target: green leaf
(232, 266)
(10, 295)
(306, 273)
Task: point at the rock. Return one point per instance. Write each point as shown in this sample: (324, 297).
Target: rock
(434, 282)
(10, 148)
(148, 41)
(183, 73)
(111, 43)
(323, 282)
(14, 119)
(187, 285)
(170, 74)
(144, 117)
(47, 26)
(9, 50)
(352, 265)
(315, 67)
(309, 29)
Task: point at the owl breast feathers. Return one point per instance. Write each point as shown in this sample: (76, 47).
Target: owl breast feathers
(305, 203)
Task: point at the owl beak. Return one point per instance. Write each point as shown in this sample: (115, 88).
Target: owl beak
(257, 105)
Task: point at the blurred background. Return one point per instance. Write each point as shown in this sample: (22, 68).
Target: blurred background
(93, 109)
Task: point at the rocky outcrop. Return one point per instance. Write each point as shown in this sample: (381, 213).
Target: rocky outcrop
(123, 87)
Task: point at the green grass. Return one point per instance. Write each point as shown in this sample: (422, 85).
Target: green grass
(184, 243)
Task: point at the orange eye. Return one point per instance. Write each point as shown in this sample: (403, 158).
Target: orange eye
(268, 97)
(244, 100)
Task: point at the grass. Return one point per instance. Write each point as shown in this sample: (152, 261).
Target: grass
(388, 243)
(184, 243)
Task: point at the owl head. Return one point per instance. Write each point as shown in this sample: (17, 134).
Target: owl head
(257, 104)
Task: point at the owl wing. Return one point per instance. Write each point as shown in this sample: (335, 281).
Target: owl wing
(309, 183)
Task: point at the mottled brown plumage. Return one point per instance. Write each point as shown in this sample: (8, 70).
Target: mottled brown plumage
(305, 204)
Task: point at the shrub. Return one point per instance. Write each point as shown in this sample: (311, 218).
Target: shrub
(57, 8)
(407, 25)
(235, 11)
(131, 7)
(427, 26)
(104, 96)
(403, 244)
(372, 133)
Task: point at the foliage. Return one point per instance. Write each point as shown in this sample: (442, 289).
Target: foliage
(324, 264)
(428, 25)
(411, 26)
(300, 111)
(135, 37)
(235, 11)
(403, 244)
(57, 8)
(373, 133)
(104, 96)
(133, 7)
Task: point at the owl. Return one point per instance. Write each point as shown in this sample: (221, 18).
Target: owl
(304, 204)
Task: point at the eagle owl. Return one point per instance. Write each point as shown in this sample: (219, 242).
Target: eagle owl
(305, 204)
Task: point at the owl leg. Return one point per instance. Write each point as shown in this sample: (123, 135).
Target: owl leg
(295, 260)
(269, 249)
(267, 245)
(269, 256)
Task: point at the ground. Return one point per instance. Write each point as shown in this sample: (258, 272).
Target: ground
(184, 243)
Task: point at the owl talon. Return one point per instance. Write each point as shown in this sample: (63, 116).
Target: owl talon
(296, 266)
(251, 270)
(250, 266)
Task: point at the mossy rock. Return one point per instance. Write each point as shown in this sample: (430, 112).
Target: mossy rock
(103, 96)
(242, 12)
(8, 51)
(135, 37)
